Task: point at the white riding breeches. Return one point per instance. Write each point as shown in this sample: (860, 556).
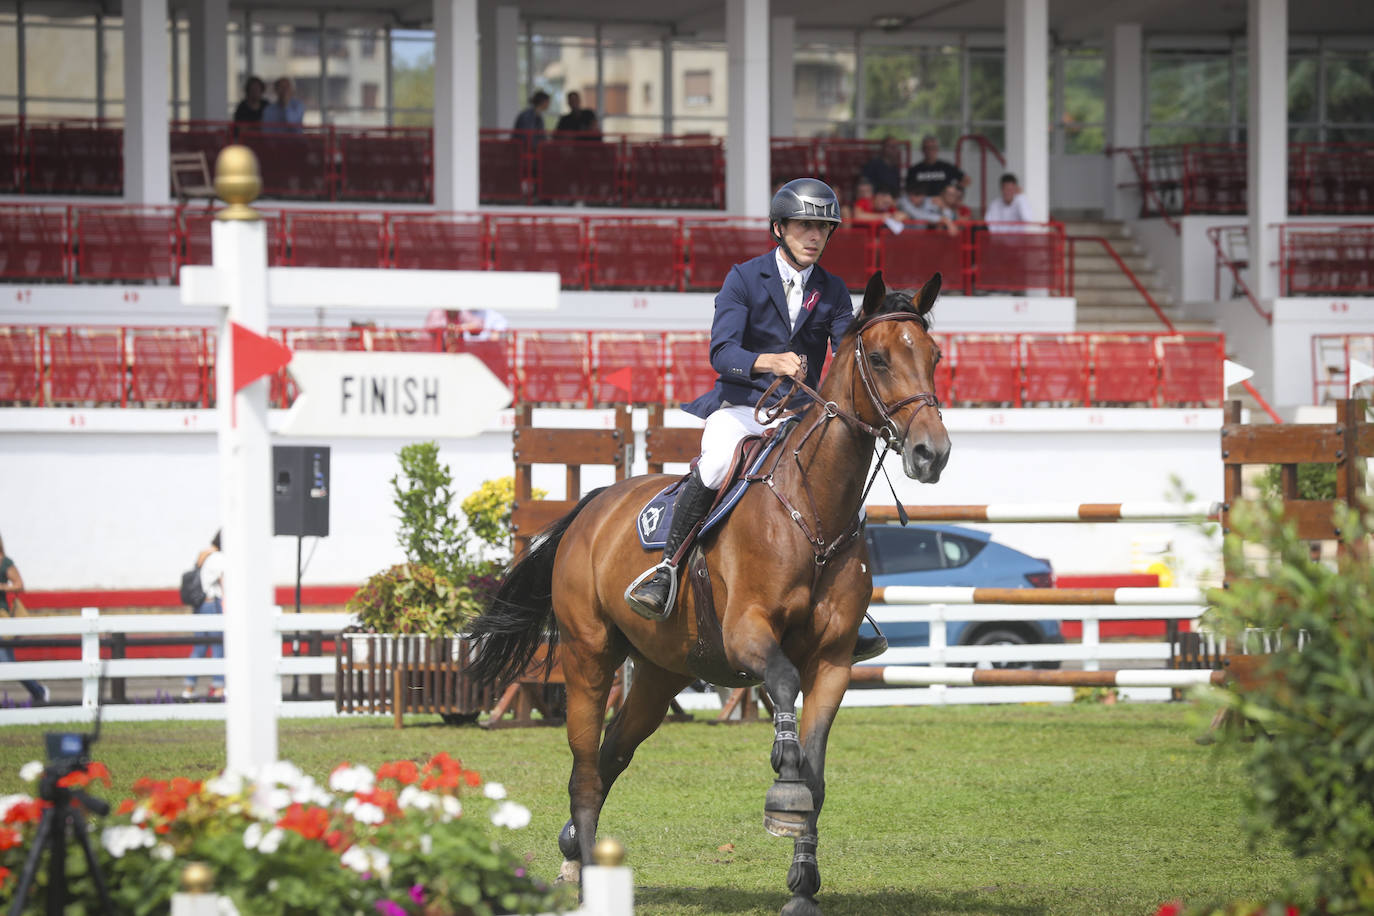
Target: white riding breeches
(724, 429)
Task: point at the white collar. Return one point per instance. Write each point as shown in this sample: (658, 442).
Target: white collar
(786, 271)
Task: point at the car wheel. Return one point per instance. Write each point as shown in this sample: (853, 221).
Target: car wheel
(1001, 637)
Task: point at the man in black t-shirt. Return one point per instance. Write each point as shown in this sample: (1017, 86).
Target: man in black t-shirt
(578, 119)
(927, 177)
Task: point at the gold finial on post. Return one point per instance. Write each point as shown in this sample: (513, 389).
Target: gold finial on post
(237, 182)
(197, 878)
(608, 853)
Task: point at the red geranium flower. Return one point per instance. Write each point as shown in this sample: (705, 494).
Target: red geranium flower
(1172, 908)
(310, 823)
(10, 838)
(403, 771)
(25, 812)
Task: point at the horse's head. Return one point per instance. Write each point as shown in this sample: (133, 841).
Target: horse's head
(895, 357)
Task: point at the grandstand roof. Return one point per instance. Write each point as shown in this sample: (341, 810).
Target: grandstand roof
(1069, 19)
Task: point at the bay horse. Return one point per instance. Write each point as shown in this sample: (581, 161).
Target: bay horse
(789, 572)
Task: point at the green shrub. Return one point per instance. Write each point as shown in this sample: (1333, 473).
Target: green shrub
(411, 599)
(1312, 764)
(488, 510)
(1315, 481)
(430, 533)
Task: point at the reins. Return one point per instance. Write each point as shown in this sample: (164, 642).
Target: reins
(822, 549)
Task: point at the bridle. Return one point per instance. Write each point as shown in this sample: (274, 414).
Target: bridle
(886, 430)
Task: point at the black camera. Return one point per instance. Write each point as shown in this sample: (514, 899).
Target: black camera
(68, 750)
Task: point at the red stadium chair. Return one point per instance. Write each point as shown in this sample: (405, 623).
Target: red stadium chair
(539, 243)
(634, 254)
(713, 246)
(495, 354)
(204, 137)
(86, 366)
(850, 255)
(1190, 371)
(195, 237)
(444, 241)
(73, 157)
(579, 170)
(294, 165)
(21, 367)
(554, 368)
(844, 160)
(689, 366)
(403, 340)
(170, 367)
(1124, 370)
(629, 368)
(126, 243)
(910, 259)
(676, 172)
(944, 369)
(11, 158)
(789, 159)
(34, 243)
(335, 239)
(987, 370)
(329, 339)
(1056, 371)
(385, 163)
(1030, 258)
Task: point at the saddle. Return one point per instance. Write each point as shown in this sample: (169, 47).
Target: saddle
(656, 518)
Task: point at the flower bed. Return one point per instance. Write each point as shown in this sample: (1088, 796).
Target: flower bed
(410, 838)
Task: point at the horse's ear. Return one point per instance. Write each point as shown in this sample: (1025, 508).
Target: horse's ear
(874, 294)
(925, 299)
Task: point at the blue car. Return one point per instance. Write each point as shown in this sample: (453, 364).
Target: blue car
(951, 555)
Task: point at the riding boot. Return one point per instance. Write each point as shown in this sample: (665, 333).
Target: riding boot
(869, 647)
(654, 593)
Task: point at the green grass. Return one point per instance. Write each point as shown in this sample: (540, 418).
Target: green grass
(967, 810)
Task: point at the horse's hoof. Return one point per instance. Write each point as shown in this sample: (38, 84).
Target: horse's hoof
(570, 872)
(567, 841)
(784, 823)
(791, 796)
(801, 906)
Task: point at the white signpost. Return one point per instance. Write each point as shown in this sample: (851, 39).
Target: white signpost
(345, 394)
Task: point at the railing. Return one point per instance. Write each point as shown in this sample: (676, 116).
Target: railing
(95, 242)
(1326, 259)
(174, 367)
(1331, 363)
(1125, 270)
(985, 148)
(1225, 240)
(1335, 178)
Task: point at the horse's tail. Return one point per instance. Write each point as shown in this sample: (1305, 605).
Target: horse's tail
(519, 617)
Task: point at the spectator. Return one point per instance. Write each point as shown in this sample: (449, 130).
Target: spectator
(939, 211)
(11, 584)
(877, 206)
(287, 111)
(928, 177)
(881, 170)
(251, 108)
(578, 120)
(211, 565)
(1011, 207)
(530, 122)
(481, 324)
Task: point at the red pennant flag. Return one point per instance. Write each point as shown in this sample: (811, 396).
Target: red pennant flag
(620, 378)
(255, 356)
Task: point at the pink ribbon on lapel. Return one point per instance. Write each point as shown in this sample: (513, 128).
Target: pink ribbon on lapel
(810, 302)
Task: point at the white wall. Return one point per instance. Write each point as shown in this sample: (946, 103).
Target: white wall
(1296, 321)
(125, 498)
(1076, 182)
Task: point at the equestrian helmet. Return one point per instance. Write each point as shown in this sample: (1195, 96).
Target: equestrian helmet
(805, 198)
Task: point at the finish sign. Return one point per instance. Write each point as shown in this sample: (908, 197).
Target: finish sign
(419, 395)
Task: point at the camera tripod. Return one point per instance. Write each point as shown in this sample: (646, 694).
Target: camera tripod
(52, 834)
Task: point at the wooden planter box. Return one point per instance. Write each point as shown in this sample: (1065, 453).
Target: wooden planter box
(383, 673)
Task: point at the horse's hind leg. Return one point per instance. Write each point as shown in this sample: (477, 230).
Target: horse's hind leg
(651, 691)
(589, 671)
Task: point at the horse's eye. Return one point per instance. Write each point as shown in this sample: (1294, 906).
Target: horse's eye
(876, 361)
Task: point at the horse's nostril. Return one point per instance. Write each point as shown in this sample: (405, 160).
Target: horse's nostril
(924, 452)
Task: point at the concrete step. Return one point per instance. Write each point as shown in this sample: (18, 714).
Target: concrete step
(1094, 280)
(1109, 297)
(1110, 229)
(1117, 314)
(1086, 258)
(1132, 326)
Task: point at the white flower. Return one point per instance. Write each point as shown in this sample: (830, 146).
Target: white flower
(271, 841)
(30, 771)
(511, 815)
(452, 807)
(282, 773)
(278, 799)
(494, 790)
(164, 852)
(227, 784)
(420, 800)
(140, 814)
(364, 859)
(426, 844)
(119, 840)
(307, 791)
(252, 836)
(368, 813)
(381, 862)
(352, 779)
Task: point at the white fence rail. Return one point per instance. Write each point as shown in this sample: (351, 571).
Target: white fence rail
(1090, 653)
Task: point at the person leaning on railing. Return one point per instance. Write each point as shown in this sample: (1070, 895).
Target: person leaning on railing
(11, 584)
(1010, 207)
(941, 211)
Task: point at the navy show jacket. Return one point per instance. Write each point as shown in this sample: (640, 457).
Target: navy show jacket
(751, 319)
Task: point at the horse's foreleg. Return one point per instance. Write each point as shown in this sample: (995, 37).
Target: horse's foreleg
(788, 802)
(825, 686)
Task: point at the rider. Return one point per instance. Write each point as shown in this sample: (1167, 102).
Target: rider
(773, 317)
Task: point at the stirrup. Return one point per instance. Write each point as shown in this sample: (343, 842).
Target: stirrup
(669, 603)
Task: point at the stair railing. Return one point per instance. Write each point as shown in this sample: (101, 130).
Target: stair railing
(1214, 235)
(1129, 274)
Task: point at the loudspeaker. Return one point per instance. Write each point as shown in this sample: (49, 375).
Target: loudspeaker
(300, 490)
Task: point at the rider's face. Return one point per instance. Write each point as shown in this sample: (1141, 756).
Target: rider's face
(805, 240)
